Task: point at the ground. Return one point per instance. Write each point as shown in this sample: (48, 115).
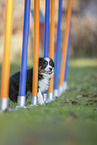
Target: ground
(73, 114)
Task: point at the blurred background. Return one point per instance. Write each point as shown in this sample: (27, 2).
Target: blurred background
(83, 33)
(78, 120)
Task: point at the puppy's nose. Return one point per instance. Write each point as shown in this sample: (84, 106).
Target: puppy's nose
(50, 69)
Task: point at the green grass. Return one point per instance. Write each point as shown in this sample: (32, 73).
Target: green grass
(75, 109)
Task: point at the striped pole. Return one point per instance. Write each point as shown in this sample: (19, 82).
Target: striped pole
(46, 35)
(6, 55)
(65, 45)
(23, 73)
(67, 60)
(51, 46)
(36, 52)
(57, 62)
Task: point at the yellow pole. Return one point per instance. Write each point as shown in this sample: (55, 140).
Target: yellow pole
(36, 48)
(6, 56)
(65, 47)
(7, 46)
(51, 44)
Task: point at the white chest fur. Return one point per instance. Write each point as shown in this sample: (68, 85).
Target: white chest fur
(44, 83)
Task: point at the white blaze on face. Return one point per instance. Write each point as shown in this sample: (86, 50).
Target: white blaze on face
(48, 66)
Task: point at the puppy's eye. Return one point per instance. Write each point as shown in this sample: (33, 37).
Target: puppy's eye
(51, 63)
(45, 62)
(44, 65)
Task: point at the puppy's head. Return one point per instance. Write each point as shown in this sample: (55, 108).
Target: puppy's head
(46, 65)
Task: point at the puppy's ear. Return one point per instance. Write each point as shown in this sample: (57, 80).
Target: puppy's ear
(40, 62)
(41, 59)
(53, 64)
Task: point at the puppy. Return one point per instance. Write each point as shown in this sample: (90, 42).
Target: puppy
(45, 72)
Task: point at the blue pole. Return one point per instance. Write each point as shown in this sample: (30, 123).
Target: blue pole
(67, 57)
(46, 36)
(47, 26)
(57, 60)
(23, 73)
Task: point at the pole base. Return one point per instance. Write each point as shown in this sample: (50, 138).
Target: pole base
(56, 93)
(45, 97)
(3, 104)
(21, 101)
(65, 86)
(33, 101)
(21, 107)
(50, 97)
(60, 90)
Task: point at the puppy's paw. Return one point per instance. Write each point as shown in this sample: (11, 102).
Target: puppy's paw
(40, 101)
(40, 98)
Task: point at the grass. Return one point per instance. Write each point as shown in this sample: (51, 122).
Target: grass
(75, 110)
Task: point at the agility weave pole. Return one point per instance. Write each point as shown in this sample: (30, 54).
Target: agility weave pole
(65, 45)
(46, 35)
(65, 86)
(51, 47)
(57, 63)
(6, 56)
(47, 21)
(23, 73)
(36, 53)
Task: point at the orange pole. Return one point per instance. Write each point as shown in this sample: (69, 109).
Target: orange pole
(65, 44)
(7, 46)
(36, 48)
(51, 40)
